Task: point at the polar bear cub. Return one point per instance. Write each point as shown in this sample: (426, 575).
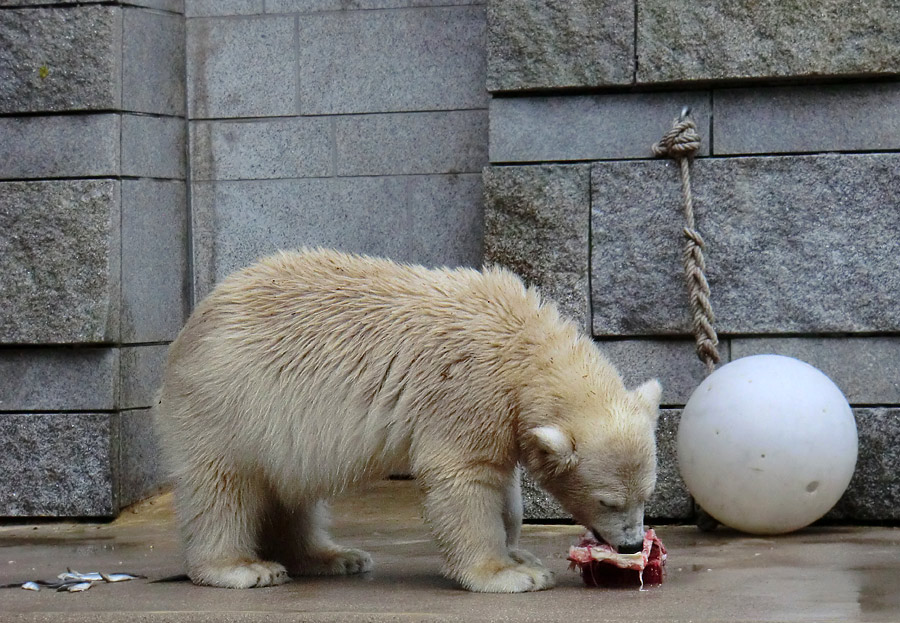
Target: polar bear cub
(312, 372)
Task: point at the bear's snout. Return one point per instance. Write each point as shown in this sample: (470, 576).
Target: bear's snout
(631, 548)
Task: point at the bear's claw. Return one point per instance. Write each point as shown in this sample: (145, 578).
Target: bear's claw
(525, 557)
(345, 561)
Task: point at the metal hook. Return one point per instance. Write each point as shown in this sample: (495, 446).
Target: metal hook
(684, 113)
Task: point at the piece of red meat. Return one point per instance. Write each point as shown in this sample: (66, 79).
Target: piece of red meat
(601, 565)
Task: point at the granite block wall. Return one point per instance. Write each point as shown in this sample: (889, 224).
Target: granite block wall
(794, 189)
(150, 147)
(93, 240)
(359, 125)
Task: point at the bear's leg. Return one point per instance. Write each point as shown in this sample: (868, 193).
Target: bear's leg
(467, 515)
(512, 510)
(512, 521)
(299, 537)
(221, 513)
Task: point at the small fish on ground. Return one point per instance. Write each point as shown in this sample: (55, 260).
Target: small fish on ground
(75, 582)
(119, 577)
(81, 577)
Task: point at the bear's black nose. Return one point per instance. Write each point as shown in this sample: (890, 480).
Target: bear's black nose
(631, 548)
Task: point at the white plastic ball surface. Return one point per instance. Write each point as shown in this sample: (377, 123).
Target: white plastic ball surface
(767, 444)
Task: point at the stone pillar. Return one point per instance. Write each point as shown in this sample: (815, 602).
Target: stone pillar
(795, 194)
(93, 236)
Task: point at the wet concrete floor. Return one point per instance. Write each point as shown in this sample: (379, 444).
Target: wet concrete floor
(819, 574)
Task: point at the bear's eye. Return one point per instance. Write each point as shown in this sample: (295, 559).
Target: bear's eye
(610, 504)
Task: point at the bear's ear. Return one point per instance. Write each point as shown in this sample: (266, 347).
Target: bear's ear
(649, 394)
(556, 446)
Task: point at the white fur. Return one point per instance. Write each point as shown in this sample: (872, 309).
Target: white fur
(553, 440)
(312, 372)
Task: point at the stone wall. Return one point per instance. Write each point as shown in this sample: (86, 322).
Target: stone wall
(358, 125)
(93, 236)
(795, 194)
(149, 147)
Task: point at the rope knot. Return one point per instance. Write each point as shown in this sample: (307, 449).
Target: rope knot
(682, 141)
(694, 236)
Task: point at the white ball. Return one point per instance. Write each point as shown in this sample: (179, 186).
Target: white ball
(767, 444)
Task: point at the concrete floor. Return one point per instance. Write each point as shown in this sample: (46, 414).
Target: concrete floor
(820, 574)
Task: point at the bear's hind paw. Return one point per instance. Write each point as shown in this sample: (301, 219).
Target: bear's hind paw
(344, 561)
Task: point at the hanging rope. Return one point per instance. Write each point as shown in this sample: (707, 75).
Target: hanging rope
(681, 143)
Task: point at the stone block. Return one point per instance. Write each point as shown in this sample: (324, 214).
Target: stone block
(385, 61)
(60, 245)
(173, 6)
(847, 117)
(874, 491)
(673, 362)
(153, 62)
(141, 369)
(155, 294)
(681, 40)
(242, 68)
(589, 127)
(153, 146)
(536, 224)
(537, 504)
(428, 219)
(262, 149)
(410, 143)
(671, 500)
(308, 6)
(552, 44)
(209, 8)
(31, 3)
(63, 464)
(794, 244)
(58, 379)
(59, 146)
(860, 366)
(55, 59)
(140, 472)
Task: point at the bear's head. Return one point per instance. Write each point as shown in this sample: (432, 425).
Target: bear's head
(597, 456)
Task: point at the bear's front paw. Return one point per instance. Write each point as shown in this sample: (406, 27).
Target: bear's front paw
(344, 561)
(240, 574)
(525, 557)
(514, 579)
